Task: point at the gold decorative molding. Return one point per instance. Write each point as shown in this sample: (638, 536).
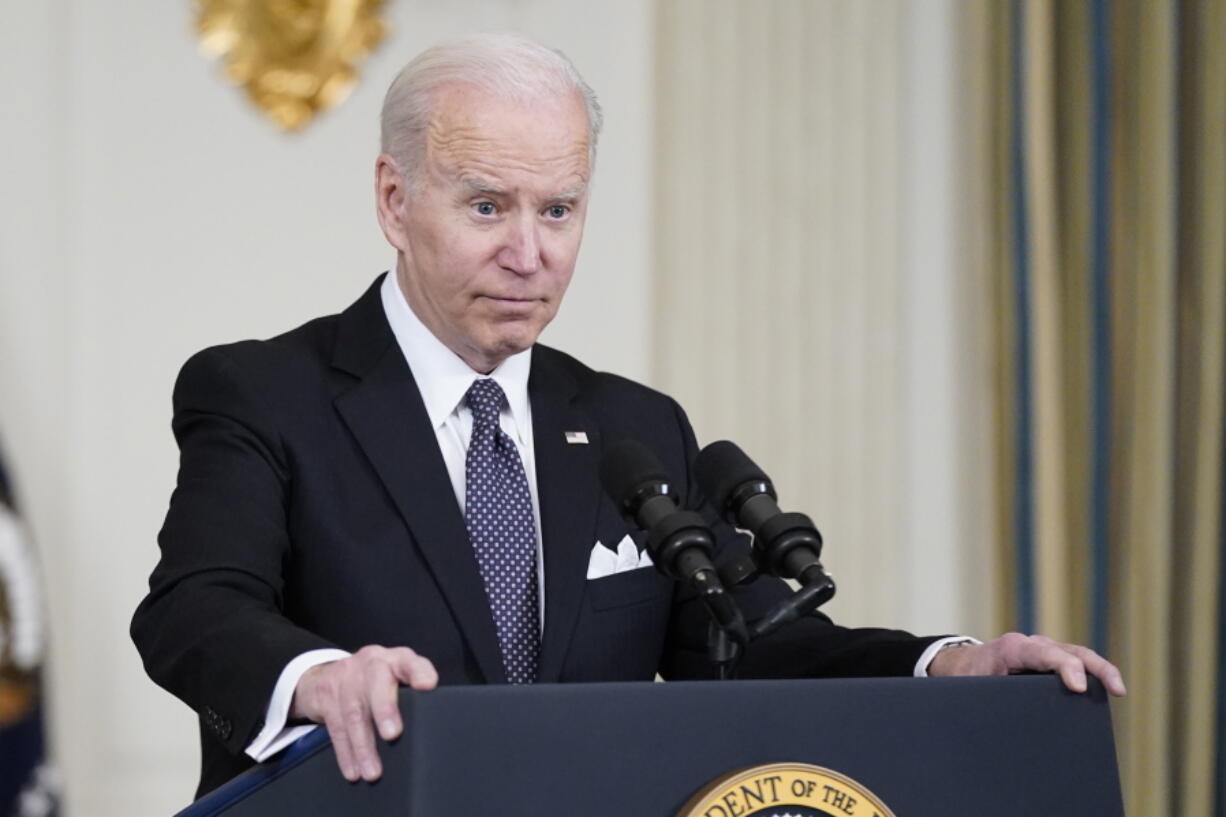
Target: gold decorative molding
(294, 58)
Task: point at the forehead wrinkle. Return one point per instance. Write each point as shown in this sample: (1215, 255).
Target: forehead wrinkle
(495, 162)
(564, 179)
(456, 137)
(449, 143)
(463, 147)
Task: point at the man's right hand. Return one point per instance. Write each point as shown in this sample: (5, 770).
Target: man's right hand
(349, 695)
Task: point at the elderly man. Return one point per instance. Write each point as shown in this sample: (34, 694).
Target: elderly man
(406, 493)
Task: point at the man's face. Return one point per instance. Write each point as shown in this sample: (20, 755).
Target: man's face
(489, 231)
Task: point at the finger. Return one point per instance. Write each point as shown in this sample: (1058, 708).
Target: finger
(1073, 674)
(414, 670)
(1100, 668)
(384, 707)
(1112, 679)
(356, 715)
(1044, 654)
(344, 752)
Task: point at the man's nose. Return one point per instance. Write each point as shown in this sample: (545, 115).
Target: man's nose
(522, 251)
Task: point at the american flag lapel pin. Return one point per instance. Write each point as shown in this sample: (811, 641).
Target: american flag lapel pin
(576, 437)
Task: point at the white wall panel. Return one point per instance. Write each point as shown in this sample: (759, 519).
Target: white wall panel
(780, 128)
(946, 513)
(812, 300)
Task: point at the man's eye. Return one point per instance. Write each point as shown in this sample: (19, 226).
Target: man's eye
(485, 208)
(558, 211)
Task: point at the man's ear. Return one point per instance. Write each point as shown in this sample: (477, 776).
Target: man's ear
(391, 193)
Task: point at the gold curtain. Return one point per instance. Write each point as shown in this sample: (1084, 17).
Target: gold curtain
(1110, 266)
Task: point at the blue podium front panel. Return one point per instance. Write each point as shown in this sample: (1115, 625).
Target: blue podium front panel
(1006, 747)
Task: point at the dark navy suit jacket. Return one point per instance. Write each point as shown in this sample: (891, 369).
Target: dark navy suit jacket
(313, 509)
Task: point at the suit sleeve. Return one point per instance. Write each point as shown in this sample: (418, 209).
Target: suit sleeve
(211, 629)
(813, 647)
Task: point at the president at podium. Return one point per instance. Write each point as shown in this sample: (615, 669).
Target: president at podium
(407, 492)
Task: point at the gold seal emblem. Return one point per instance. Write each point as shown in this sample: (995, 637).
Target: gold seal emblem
(785, 790)
(293, 57)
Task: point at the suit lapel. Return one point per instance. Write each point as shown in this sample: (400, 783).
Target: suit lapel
(386, 415)
(569, 492)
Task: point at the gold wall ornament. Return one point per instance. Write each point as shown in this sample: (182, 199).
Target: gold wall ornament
(293, 57)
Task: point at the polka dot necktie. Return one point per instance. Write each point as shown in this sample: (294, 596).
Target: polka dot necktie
(498, 514)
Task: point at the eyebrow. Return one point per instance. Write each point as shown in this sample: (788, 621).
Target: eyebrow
(477, 184)
(572, 194)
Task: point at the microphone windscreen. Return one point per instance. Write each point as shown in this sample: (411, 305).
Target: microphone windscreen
(721, 468)
(626, 466)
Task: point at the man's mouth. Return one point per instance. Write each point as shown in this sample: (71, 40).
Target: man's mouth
(505, 299)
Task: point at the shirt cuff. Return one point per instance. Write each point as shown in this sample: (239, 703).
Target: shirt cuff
(275, 736)
(921, 666)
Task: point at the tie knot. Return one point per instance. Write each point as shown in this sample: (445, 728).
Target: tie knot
(485, 400)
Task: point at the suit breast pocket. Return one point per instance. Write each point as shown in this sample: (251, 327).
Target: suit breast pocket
(622, 627)
(626, 588)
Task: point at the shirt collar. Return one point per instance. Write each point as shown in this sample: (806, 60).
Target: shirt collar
(443, 378)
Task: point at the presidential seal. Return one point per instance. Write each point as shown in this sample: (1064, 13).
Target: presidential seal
(785, 790)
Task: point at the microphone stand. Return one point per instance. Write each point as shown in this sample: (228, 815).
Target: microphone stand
(725, 648)
(804, 601)
(727, 633)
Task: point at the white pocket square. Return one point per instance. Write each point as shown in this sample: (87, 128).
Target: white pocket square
(605, 561)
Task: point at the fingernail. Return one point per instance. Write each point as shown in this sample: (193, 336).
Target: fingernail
(1079, 681)
(371, 769)
(388, 729)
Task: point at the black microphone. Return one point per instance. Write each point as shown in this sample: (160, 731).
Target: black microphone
(679, 542)
(788, 544)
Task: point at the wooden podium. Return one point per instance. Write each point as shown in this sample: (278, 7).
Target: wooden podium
(936, 747)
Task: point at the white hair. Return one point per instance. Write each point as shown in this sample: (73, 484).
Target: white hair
(507, 65)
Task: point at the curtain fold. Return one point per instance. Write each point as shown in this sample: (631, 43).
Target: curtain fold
(1111, 311)
(1200, 252)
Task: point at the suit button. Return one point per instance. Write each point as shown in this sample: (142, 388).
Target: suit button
(216, 723)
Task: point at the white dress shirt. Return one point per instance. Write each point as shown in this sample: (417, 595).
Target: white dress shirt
(443, 379)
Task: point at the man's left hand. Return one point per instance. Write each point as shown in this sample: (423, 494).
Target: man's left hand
(1014, 653)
